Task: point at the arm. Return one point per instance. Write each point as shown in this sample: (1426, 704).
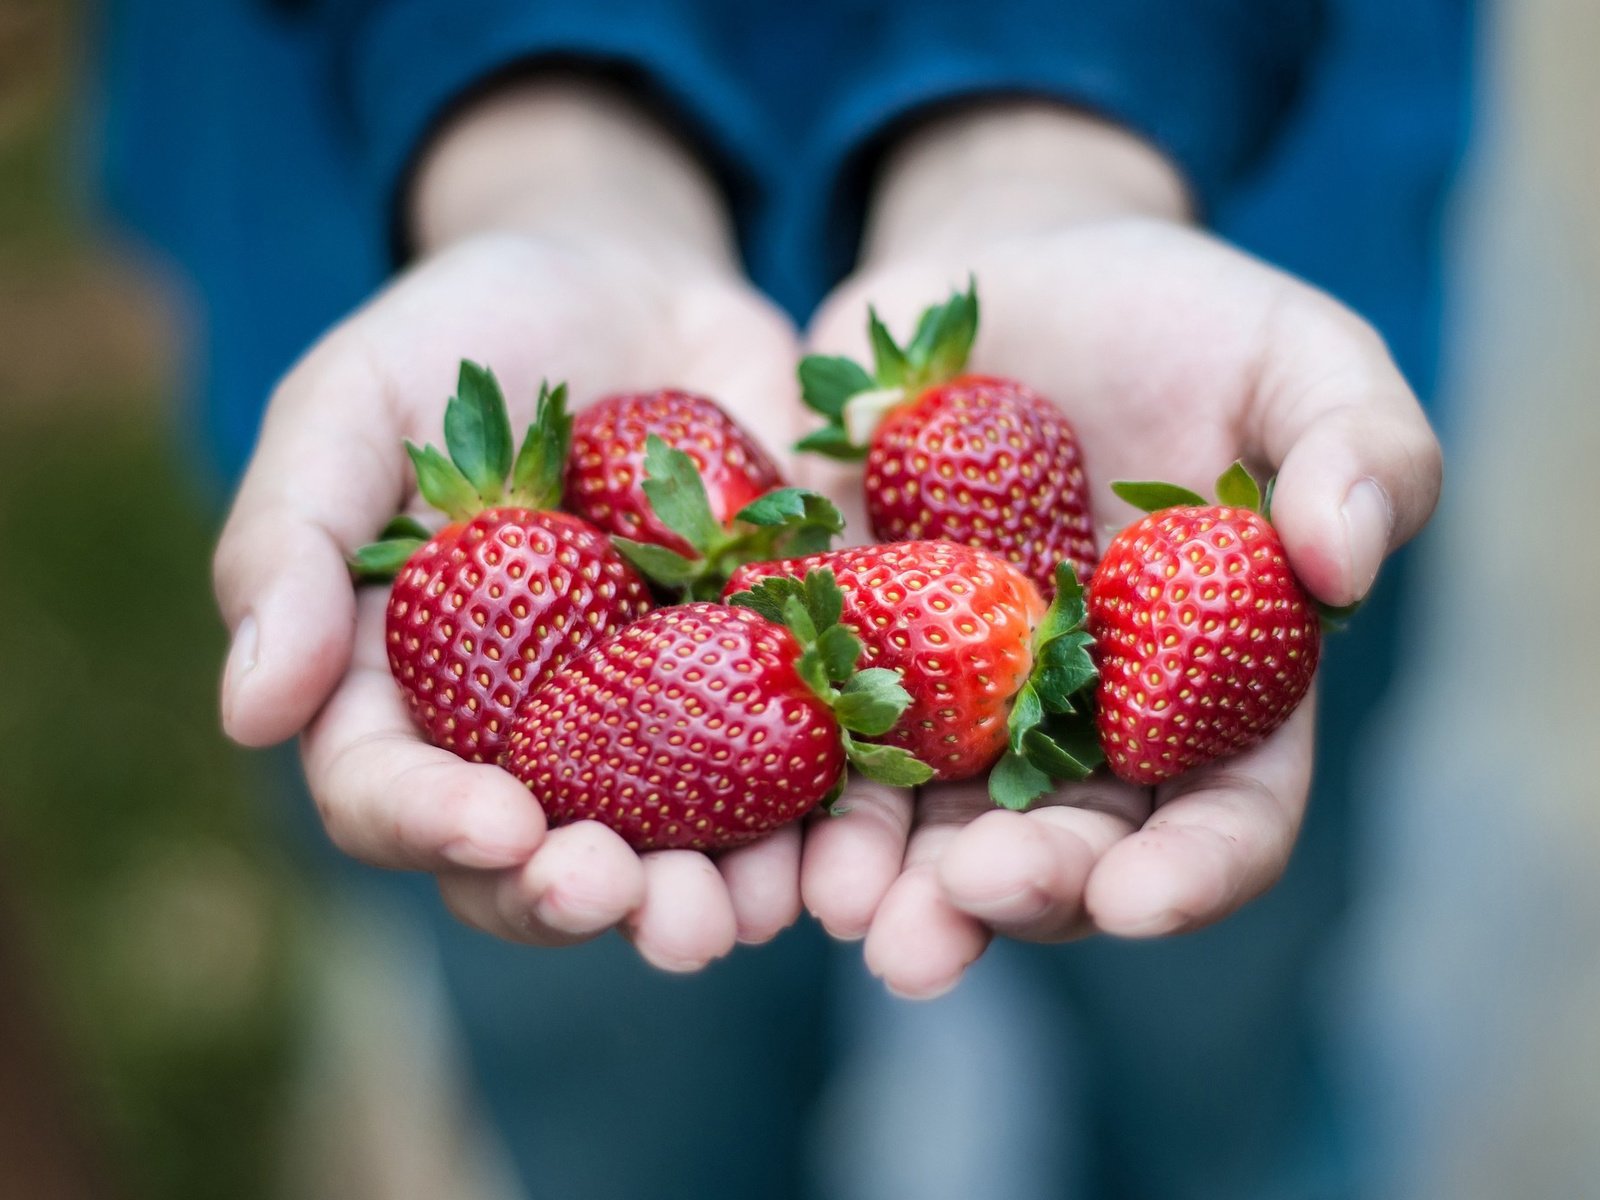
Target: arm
(1099, 294)
(562, 234)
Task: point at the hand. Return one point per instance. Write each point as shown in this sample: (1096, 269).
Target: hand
(609, 273)
(1173, 354)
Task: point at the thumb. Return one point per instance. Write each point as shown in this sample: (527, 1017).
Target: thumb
(1359, 467)
(323, 479)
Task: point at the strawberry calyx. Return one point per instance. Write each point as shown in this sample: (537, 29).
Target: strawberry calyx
(855, 402)
(480, 471)
(787, 522)
(1236, 488)
(1051, 733)
(866, 703)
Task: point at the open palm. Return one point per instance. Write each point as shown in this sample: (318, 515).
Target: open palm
(1173, 355)
(329, 470)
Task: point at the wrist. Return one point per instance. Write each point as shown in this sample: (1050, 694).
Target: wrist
(998, 171)
(573, 160)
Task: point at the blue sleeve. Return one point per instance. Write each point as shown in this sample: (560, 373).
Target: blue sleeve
(402, 66)
(1206, 81)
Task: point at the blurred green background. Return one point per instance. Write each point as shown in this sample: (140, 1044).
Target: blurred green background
(147, 922)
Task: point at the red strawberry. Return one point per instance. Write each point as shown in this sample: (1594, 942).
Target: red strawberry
(484, 609)
(1206, 640)
(606, 470)
(703, 726)
(974, 459)
(977, 649)
(785, 521)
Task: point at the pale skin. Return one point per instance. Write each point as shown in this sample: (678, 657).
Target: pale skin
(562, 235)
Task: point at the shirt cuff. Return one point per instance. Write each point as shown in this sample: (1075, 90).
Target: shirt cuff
(411, 63)
(1205, 81)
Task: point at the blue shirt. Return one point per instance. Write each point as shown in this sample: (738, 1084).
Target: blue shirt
(262, 144)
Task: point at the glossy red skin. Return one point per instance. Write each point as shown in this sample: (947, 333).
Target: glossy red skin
(986, 462)
(1205, 640)
(956, 622)
(605, 469)
(689, 729)
(488, 607)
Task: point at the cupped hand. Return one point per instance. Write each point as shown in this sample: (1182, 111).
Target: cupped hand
(1173, 355)
(307, 656)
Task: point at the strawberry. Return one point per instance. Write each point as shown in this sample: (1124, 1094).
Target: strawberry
(976, 459)
(991, 670)
(482, 610)
(785, 521)
(1206, 641)
(703, 726)
(606, 469)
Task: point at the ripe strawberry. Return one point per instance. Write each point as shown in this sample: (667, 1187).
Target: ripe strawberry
(703, 726)
(990, 668)
(975, 459)
(481, 611)
(1206, 641)
(783, 522)
(606, 469)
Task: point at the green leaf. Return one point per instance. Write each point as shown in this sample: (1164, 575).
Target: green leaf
(659, 565)
(477, 431)
(832, 441)
(798, 621)
(826, 383)
(769, 596)
(404, 526)
(839, 649)
(1067, 612)
(1153, 496)
(442, 484)
(889, 765)
(383, 560)
(1064, 669)
(824, 599)
(1060, 756)
(775, 508)
(1027, 711)
(1266, 498)
(1237, 488)
(889, 362)
(944, 337)
(537, 474)
(806, 539)
(814, 672)
(1015, 783)
(678, 495)
(871, 702)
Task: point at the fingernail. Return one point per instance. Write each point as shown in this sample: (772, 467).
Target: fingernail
(1368, 521)
(1156, 924)
(1026, 904)
(931, 993)
(241, 661)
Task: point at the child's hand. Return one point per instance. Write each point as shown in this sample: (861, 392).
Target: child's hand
(1173, 355)
(632, 289)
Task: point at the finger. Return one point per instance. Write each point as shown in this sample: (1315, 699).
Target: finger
(686, 919)
(1359, 467)
(920, 944)
(850, 859)
(325, 475)
(763, 882)
(1023, 874)
(1220, 836)
(390, 799)
(582, 881)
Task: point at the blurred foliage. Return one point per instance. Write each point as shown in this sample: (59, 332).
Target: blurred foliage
(155, 905)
